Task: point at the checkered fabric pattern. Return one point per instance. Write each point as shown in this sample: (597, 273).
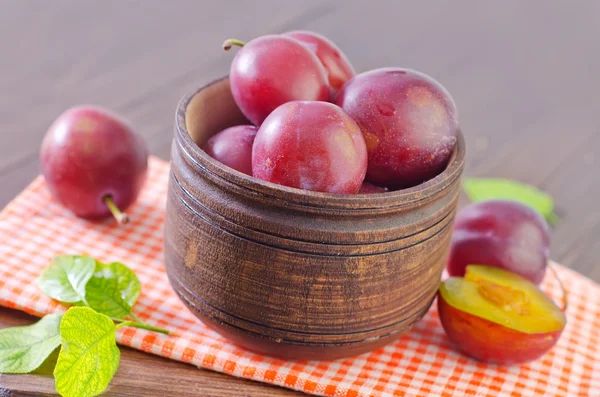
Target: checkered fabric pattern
(33, 229)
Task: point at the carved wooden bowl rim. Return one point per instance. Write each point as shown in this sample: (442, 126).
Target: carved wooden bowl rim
(202, 161)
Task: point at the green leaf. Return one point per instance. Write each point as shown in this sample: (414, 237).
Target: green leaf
(89, 356)
(481, 189)
(24, 349)
(113, 290)
(66, 277)
(47, 367)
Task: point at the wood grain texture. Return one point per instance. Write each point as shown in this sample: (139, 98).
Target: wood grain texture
(521, 73)
(299, 274)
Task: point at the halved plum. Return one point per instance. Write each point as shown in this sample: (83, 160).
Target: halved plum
(497, 316)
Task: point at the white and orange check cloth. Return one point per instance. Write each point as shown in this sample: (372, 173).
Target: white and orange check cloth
(34, 228)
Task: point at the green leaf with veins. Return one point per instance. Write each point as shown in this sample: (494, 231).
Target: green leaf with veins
(113, 290)
(89, 357)
(24, 349)
(66, 277)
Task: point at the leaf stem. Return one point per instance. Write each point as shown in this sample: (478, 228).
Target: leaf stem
(553, 219)
(136, 318)
(136, 324)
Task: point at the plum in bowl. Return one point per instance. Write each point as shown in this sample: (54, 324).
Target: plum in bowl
(295, 273)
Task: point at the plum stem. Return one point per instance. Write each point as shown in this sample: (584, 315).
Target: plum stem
(562, 287)
(120, 216)
(227, 44)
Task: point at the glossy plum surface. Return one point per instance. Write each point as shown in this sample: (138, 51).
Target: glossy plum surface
(272, 70)
(233, 147)
(89, 153)
(339, 69)
(310, 145)
(498, 317)
(503, 234)
(409, 122)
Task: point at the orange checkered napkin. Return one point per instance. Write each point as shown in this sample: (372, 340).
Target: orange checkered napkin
(33, 229)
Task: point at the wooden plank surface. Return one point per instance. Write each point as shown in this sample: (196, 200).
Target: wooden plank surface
(523, 75)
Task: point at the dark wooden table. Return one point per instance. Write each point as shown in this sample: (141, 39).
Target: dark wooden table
(524, 76)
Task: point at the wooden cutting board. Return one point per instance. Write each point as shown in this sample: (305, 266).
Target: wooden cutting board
(139, 375)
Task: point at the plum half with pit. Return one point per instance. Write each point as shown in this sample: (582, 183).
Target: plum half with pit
(500, 233)
(94, 163)
(310, 145)
(409, 122)
(233, 147)
(496, 316)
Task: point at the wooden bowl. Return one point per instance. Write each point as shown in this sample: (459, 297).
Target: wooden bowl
(293, 273)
